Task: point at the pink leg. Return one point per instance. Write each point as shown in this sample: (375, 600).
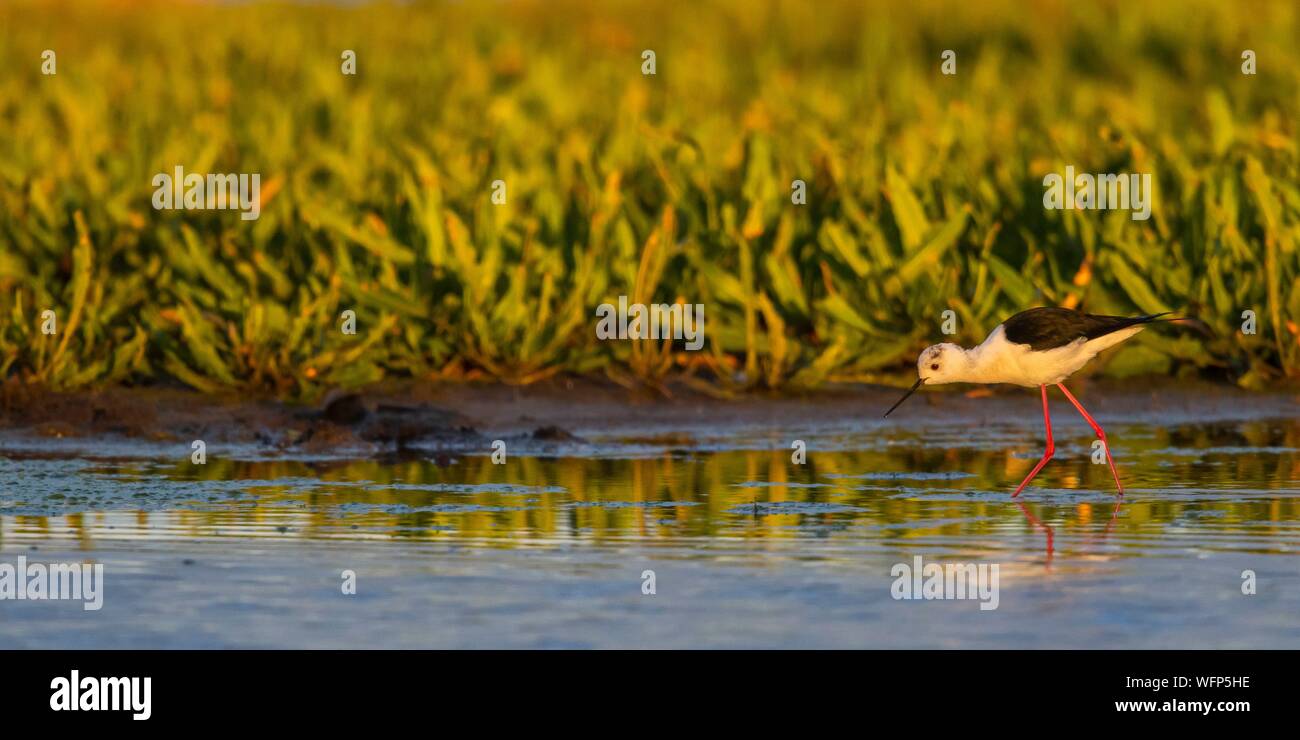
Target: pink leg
(1100, 435)
(1047, 454)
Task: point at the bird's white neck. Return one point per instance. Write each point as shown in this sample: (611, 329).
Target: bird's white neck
(973, 366)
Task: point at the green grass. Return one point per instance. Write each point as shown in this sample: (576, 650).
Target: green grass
(924, 190)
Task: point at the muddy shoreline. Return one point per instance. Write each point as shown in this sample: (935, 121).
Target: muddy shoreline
(464, 416)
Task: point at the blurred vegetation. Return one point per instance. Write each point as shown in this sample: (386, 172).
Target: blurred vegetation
(924, 190)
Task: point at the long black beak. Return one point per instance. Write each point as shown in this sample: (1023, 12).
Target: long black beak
(910, 391)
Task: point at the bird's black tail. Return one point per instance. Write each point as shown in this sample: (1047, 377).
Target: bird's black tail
(1099, 326)
(1191, 322)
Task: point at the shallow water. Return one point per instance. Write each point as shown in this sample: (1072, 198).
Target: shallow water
(747, 548)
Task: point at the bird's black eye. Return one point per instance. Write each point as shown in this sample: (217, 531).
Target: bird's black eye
(935, 366)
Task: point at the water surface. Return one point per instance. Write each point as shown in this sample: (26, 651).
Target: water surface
(747, 549)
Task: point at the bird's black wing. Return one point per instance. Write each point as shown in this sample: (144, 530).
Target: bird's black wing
(1049, 327)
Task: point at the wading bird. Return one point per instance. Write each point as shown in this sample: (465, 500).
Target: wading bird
(1038, 347)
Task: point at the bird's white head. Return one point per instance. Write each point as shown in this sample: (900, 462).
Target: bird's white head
(938, 364)
(941, 363)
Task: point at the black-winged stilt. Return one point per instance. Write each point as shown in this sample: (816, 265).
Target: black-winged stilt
(1038, 347)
